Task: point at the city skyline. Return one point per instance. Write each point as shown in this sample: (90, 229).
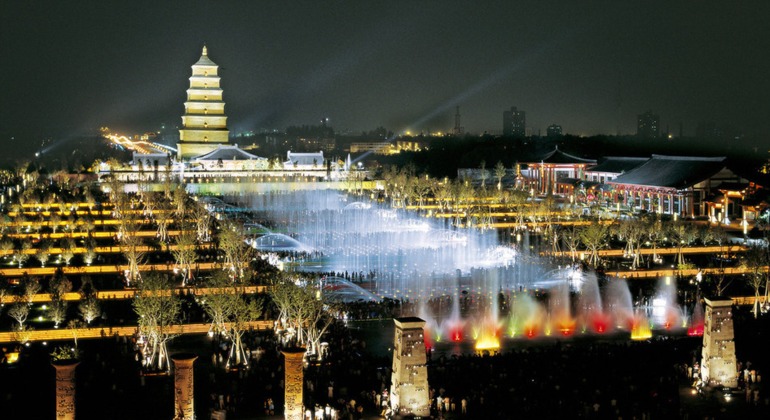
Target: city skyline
(591, 68)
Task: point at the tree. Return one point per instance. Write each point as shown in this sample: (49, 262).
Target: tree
(302, 309)
(43, 252)
(236, 252)
(19, 311)
(28, 287)
(185, 252)
(632, 231)
(681, 234)
(57, 287)
(755, 261)
(20, 253)
(500, 174)
(570, 236)
(202, 222)
(230, 311)
(484, 174)
(130, 245)
(67, 250)
(89, 308)
(594, 238)
(158, 308)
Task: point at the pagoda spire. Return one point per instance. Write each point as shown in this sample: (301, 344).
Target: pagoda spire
(205, 50)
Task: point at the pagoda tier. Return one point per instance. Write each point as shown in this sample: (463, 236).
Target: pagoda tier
(204, 121)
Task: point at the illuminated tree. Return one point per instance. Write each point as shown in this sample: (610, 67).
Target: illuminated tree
(681, 234)
(633, 232)
(302, 308)
(29, 287)
(185, 252)
(570, 236)
(43, 252)
(594, 238)
(89, 308)
(20, 253)
(202, 222)
(236, 253)
(57, 287)
(55, 220)
(158, 308)
(67, 250)
(500, 174)
(755, 260)
(74, 326)
(19, 311)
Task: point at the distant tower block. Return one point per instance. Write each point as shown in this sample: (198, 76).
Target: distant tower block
(65, 389)
(409, 383)
(718, 364)
(294, 381)
(184, 407)
(204, 121)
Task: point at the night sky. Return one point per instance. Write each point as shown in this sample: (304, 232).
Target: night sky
(69, 67)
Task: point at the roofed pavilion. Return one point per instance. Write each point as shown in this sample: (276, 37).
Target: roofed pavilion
(552, 167)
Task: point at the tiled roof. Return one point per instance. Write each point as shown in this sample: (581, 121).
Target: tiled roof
(618, 165)
(672, 171)
(227, 152)
(558, 157)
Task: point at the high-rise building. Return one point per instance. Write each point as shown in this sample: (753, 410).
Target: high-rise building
(553, 130)
(204, 124)
(514, 123)
(648, 125)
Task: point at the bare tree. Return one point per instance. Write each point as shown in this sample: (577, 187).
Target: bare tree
(43, 252)
(681, 234)
(19, 311)
(632, 231)
(20, 253)
(67, 250)
(158, 308)
(570, 236)
(500, 174)
(202, 222)
(185, 252)
(594, 238)
(57, 287)
(236, 253)
(89, 308)
(755, 261)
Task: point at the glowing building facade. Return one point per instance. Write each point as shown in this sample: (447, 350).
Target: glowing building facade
(719, 365)
(409, 382)
(204, 121)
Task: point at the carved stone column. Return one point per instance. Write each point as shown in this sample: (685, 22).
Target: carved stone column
(294, 381)
(184, 407)
(65, 389)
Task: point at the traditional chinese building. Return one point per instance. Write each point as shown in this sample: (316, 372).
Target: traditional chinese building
(204, 121)
(677, 185)
(544, 175)
(229, 158)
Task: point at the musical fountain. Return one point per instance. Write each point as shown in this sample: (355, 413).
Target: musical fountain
(466, 283)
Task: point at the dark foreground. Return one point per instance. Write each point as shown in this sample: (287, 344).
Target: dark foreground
(579, 378)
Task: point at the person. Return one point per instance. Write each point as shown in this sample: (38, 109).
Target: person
(464, 405)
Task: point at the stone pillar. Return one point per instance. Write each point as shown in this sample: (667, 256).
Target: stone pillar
(65, 389)
(718, 366)
(409, 382)
(294, 381)
(184, 407)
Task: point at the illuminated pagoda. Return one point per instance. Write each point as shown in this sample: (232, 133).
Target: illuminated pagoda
(204, 121)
